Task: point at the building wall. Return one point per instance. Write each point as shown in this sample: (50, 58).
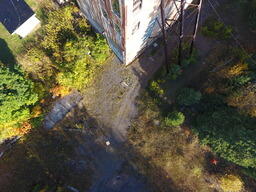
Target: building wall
(144, 24)
(136, 25)
(107, 21)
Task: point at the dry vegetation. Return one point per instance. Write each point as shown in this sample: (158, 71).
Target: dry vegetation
(174, 151)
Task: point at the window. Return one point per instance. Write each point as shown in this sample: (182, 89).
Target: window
(137, 26)
(116, 7)
(137, 4)
(150, 29)
(104, 13)
(117, 29)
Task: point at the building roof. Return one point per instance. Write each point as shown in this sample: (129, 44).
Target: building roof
(13, 13)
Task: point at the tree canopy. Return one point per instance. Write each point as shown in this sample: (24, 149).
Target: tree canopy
(16, 95)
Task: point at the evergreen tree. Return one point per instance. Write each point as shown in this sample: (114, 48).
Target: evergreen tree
(16, 95)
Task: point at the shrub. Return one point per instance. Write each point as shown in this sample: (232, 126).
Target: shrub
(60, 91)
(229, 134)
(62, 25)
(36, 111)
(81, 60)
(237, 69)
(155, 87)
(217, 29)
(190, 60)
(197, 171)
(188, 96)
(38, 65)
(231, 183)
(175, 72)
(241, 80)
(77, 52)
(16, 95)
(175, 119)
(244, 99)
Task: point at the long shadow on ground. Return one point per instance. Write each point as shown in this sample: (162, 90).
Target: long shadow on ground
(74, 155)
(6, 55)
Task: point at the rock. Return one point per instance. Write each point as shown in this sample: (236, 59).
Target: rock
(156, 122)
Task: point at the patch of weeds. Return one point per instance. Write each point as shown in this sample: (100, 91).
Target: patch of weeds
(216, 29)
(190, 60)
(188, 96)
(197, 171)
(175, 72)
(155, 88)
(175, 118)
(230, 183)
(241, 80)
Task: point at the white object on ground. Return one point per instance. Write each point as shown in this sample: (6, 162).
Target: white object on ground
(124, 84)
(107, 143)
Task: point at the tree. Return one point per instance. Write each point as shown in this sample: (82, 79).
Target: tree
(16, 96)
(82, 58)
(62, 25)
(74, 48)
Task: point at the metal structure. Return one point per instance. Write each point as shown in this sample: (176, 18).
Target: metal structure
(193, 14)
(132, 25)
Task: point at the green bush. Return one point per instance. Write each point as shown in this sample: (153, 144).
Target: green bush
(38, 65)
(241, 80)
(155, 87)
(175, 72)
(217, 29)
(188, 96)
(16, 96)
(229, 134)
(82, 58)
(174, 119)
(190, 60)
(76, 51)
(244, 99)
(61, 26)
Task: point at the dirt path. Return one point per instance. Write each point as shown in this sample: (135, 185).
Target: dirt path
(111, 100)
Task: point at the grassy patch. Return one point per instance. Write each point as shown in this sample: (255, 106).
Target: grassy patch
(34, 4)
(173, 153)
(9, 44)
